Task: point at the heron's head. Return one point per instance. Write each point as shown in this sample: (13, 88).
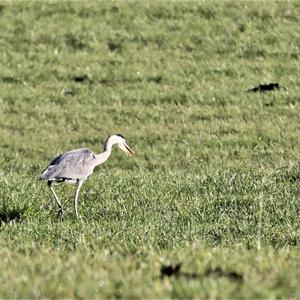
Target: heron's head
(121, 142)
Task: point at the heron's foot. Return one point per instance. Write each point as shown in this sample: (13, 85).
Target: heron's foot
(61, 214)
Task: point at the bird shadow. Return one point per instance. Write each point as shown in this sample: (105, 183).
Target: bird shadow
(8, 215)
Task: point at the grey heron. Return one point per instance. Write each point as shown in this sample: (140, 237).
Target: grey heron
(77, 165)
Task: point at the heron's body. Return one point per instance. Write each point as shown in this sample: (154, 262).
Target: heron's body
(71, 166)
(77, 165)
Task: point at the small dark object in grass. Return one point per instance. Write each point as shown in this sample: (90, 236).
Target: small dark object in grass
(269, 104)
(170, 270)
(262, 88)
(9, 79)
(218, 272)
(7, 216)
(80, 78)
(115, 45)
(174, 270)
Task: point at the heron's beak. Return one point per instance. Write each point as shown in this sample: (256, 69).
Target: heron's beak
(123, 146)
(128, 150)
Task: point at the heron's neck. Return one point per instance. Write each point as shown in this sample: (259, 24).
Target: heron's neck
(102, 157)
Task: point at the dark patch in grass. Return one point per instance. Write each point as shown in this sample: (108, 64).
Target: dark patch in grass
(241, 27)
(262, 88)
(81, 78)
(174, 271)
(291, 176)
(107, 81)
(218, 272)
(269, 104)
(114, 9)
(115, 45)
(157, 79)
(170, 270)
(1, 8)
(75, 42)
(9, 79)
(9, 215)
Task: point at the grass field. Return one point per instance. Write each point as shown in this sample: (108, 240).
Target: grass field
(214, 185)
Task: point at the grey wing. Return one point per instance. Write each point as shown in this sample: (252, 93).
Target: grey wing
(76, 164)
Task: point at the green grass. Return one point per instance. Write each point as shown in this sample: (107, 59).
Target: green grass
(214, 184)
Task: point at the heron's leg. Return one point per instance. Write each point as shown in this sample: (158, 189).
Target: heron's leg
(79, 184)
(60, 210)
